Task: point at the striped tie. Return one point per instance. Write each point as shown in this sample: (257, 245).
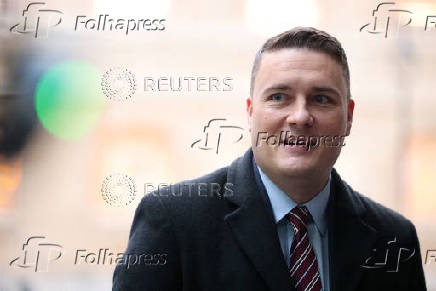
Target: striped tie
(303, 265)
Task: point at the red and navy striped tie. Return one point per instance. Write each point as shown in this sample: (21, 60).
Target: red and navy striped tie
(303, 265)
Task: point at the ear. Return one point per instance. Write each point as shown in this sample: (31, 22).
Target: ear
(350, 112)
(249, 112)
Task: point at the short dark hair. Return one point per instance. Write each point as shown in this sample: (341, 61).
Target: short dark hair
(309, 38)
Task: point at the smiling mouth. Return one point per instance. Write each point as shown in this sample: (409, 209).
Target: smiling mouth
(300, 143)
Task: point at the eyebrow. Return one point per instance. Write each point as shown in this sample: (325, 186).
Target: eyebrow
(284, 87)
(327, 89)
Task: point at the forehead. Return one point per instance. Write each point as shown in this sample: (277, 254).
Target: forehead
(299, 67)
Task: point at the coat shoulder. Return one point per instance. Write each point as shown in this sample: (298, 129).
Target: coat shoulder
(382, 218)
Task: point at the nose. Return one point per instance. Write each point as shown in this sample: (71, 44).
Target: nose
(299, 116)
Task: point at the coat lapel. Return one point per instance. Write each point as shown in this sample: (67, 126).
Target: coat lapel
(350, 239)
(253, 227)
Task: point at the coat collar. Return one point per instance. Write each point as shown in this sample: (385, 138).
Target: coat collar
(350, 238)
(252, 224)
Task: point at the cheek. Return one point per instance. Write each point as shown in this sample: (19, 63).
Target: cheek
(267, 120)
(333, 123)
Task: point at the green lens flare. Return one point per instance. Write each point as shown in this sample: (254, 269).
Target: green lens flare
(69, 100)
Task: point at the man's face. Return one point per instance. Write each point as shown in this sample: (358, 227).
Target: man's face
(303, 92)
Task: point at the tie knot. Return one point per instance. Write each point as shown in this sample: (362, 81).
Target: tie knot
(299, 217)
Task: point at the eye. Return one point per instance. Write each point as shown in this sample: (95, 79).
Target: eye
(277, 97)
(322, 99)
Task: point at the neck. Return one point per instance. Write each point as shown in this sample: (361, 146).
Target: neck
(300, 189)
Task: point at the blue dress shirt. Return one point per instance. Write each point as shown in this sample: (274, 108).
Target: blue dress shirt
(317, 227)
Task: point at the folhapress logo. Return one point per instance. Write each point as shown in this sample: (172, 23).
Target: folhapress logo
(118, 84)
(37, 254)
(213, 132)
(37, 20)
(107, 23)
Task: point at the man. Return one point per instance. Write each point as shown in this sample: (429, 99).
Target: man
(280, 217)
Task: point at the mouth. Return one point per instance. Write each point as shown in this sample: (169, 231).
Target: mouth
(304, 143)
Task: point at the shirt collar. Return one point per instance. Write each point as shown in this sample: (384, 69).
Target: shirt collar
(282, 203)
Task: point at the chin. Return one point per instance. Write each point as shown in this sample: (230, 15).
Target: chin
(297, 169)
